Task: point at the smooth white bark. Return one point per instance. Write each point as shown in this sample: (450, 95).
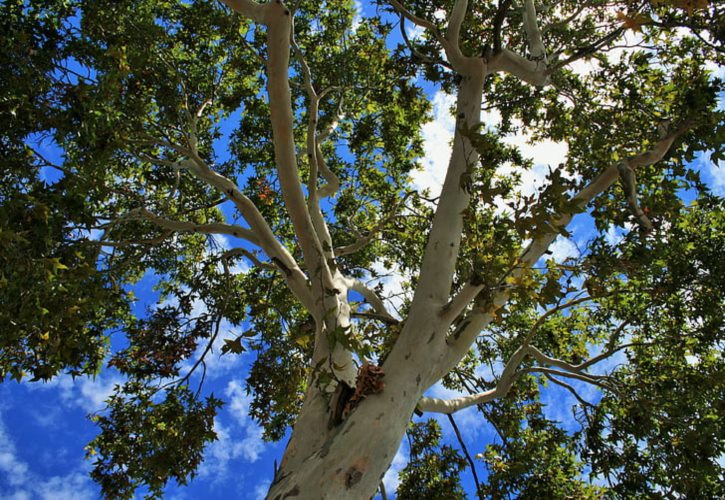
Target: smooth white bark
(531, 26)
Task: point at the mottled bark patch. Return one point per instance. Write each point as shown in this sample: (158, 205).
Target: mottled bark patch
(354, 473)
(352, 477)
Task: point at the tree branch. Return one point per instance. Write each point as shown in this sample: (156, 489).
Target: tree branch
(474, 322)
(588, 50)
(498, 20)
(569, 388)
(235, 252)
(465, 451)
(313, 200)
(533, 34)
(279, 32)
(260, 229)
(247, 8)
(363, 241)
(551, 311)
(450, 41)
(453, 32)
(192, 227)
(441, 251)
(419, 21)
(579, 376)
(415, 51)
(531, 72)
(508, 377)
(372, 298)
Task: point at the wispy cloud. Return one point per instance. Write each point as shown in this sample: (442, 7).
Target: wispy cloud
(87, 393)
(240, 440)
(414, 31)
(437, 135)
(14, 469)
(260, 491)
(714, 173)
(17, 481)
(562, 249)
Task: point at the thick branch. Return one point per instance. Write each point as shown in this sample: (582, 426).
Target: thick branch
(531, 72)
(508, 377)
(453, 32)
(441, 252)
(248, 8)
(533, 34)
(475, 321)
(450, 41)
(372, 298)
(313, 200)
(458, 304)
(260, 229)
(279, 24)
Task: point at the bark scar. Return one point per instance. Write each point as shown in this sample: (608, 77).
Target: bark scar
(368, 381)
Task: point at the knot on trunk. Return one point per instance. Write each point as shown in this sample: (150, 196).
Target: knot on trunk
(352, 477)
(368, 381)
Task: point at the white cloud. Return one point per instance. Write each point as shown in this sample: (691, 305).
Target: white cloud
(217, 364)
(260, 491)
(414, 31)
(242, 440)
(437, 135)
(219, 454)
(87, 393)
(546, 155)
(714, 172)
(252, 444)
(26, 484)
(18, 495)
(613, 235)
(238, 402)
(75, 485)
(229, 447)
(393, 281)
(14, 469)
(357, 16)
(94, 392)
(562, 249)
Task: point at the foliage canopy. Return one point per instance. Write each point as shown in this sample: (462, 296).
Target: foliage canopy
(264, 191)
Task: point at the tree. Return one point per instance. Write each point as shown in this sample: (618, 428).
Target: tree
(315, 196)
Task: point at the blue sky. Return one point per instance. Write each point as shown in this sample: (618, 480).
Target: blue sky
(43, 426)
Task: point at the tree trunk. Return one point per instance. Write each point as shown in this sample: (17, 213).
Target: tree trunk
(356, 454)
